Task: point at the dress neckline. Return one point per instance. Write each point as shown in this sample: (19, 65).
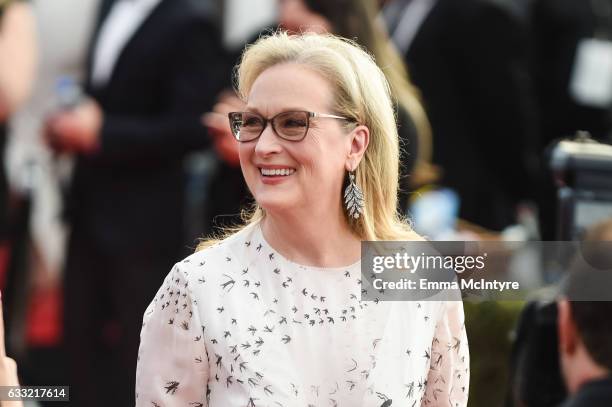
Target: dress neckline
(259, 234)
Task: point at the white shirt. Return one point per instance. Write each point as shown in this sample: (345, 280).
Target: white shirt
(237, 324)
(123, 20)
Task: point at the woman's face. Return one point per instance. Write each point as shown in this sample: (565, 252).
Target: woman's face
(313, 168)
(296, 17)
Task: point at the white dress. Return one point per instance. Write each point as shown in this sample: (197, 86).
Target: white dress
(239, 325)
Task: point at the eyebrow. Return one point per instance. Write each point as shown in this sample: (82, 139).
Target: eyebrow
(251, 109)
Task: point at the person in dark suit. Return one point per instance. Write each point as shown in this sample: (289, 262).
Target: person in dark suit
(155, 66)
(469, 60)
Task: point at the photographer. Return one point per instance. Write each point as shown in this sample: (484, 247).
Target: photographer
(585, 334)
(585, 330)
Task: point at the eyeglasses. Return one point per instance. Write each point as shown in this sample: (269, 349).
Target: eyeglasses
(291, 126)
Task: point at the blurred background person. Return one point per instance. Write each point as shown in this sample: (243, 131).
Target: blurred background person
(155, 66)
(38, 178)
(469, 60)
(586, 355)
(17, 68)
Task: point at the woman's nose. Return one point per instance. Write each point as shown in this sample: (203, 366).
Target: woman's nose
(268, 142)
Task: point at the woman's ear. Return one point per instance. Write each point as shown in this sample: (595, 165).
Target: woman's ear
(359, 139)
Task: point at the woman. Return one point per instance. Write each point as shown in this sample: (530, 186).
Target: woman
(271, 315)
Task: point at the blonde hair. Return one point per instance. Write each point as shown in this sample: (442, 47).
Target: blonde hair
(362, 94)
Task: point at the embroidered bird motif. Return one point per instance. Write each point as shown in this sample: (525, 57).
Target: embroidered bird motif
(171, 387)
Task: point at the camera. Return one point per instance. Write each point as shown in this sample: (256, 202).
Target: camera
(582, 170)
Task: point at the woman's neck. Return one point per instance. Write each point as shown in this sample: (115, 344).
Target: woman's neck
(323, 241)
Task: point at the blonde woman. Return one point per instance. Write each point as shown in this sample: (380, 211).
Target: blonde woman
(357, 20)
(271, 314)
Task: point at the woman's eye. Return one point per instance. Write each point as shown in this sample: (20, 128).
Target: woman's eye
(294, 123)
(251, 122)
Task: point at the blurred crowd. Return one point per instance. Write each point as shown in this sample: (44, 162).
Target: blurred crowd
(117, 153)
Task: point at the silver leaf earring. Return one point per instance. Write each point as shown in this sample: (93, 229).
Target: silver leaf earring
(353, 198)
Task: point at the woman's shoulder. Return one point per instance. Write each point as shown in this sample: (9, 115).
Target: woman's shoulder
(217, 254)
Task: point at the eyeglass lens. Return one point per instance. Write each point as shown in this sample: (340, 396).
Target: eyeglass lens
(288, 125)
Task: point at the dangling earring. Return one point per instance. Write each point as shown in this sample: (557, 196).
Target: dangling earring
(353, 198)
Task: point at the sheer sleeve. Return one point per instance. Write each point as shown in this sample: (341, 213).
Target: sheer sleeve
(449, 374)
(172, 360)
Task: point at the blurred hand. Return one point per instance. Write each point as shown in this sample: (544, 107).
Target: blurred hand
(218, 126)
(8, 367)
(76, 130)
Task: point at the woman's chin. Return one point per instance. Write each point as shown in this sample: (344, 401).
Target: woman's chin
(275, 204)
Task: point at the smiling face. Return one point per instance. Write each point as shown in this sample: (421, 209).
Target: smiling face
(305, 175)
